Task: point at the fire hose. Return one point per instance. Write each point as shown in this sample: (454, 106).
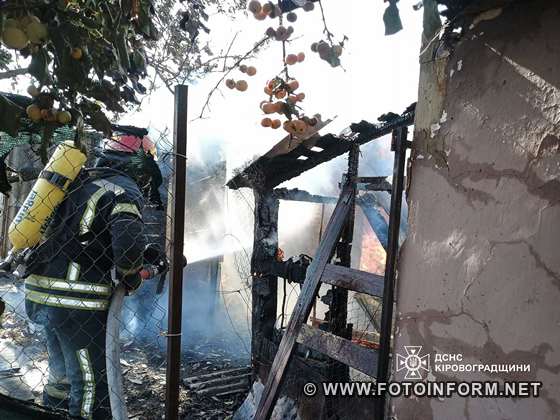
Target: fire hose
(158, 265)
(112, 355)
(113, 348)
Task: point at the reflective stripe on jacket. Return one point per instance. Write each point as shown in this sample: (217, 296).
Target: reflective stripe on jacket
(98, 226)
(62, 293)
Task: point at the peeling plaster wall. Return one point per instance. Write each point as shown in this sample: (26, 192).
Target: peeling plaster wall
(479, 274)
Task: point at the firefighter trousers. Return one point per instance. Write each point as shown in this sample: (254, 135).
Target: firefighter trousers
(77, 367)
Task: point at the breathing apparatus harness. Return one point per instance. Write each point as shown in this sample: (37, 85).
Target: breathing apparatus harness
(63, 174)
(29, 259)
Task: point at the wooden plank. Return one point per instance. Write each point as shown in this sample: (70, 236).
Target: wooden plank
(338, 348)
(374, 183)
(352, 279)
(300, 195)
(224, 388)
(219, 381)
(398, 145)
(218, 374)
(235, 391)
(290, 143)
(305, 302)
(367, 131)
(338, 306)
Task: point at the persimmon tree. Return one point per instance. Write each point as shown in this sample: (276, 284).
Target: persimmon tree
(89, 60)
(283, 95)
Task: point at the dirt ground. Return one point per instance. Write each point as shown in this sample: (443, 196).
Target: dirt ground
(144, 381)
(143, 366)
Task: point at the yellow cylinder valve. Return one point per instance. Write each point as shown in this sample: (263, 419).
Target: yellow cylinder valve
(48, 192)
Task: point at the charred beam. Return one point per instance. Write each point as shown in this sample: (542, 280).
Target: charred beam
(344, 351)
(352, 279)
(264, 290)
(377, 198)
(368, 131)
(305, 302)
(268, 171)
(374, 183)
(335, 275)
(338, 308)
(399, 146)
(300, 195)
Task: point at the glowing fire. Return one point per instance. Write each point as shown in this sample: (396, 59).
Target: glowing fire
(372, 258)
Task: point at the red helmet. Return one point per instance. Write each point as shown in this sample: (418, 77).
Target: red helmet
(130, 144)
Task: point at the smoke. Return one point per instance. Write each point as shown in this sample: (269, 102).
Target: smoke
(205, 316)
(301, 225)
(215, 300)
(218, 242)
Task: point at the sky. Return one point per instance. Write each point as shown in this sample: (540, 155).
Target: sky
(380, 74)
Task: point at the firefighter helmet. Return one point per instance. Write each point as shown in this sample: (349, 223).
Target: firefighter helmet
(136, 156)
(130, 144)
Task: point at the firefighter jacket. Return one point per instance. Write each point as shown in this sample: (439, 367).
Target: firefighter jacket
(96, 228)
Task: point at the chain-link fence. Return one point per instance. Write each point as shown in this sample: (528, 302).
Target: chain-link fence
(303, 216)
(57, 321)
(76, 236)
(83, 234)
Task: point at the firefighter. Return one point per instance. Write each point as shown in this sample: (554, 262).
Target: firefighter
(95, 238)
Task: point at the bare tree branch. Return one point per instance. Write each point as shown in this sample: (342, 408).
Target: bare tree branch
(326, 29)
(229, 70)
(229, 49)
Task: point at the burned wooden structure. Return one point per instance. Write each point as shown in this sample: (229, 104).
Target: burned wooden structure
(273, 350)
(220, 383)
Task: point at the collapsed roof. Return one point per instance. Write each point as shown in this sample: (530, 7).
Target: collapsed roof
(291, 157)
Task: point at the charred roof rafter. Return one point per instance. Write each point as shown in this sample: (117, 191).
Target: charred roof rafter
(272, 168)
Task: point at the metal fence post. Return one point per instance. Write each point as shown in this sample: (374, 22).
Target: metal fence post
(176, 279)
(399, 146)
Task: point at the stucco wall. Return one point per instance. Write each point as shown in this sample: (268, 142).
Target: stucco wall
(479, 274)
